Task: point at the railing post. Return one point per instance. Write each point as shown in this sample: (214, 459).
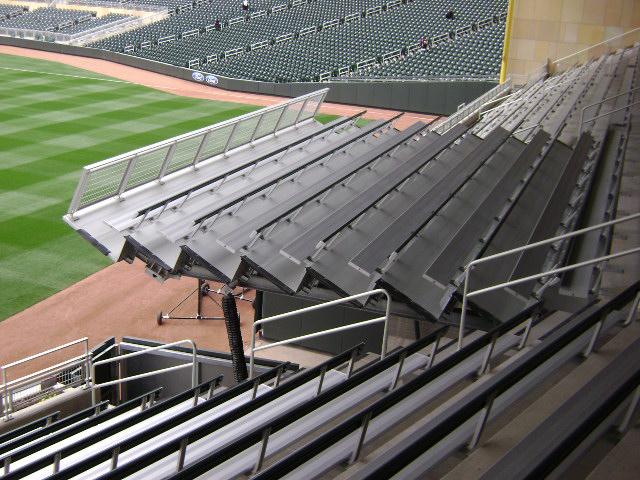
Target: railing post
(5, 399)
(482, 421)
(205, 139)
(87, 366)
(276, 383)
(255, 130)
(115, 453)
(633, 404)
(463, 313)
(125, 177)
(167, 160)
(183, 451)
(254, 389)
(56, 462)
(385, 332)
(434, 350)
(93, 388)
(253, 352)
(233, 131)
(363, 433)
(284, 109)
(633, 312)
(304, 104)
(263, 450)
(351, 364)
(594, 338)
(527, 331)
(486, 360)
(79, 193)
(194, 369)
(396, 376)
(320, 102)
(323, 372)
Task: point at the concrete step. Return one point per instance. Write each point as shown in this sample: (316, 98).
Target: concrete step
(498, 444)
(622, 462)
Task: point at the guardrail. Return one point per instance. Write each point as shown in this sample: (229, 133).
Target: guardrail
(471, 108)
(339, 301)
(466, 294)
(83, 36)
(596, 50)
(113, 177)
(26, 390)
(362, 78)
(118, 381)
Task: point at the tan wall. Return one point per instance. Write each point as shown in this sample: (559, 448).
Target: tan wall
(544, 29)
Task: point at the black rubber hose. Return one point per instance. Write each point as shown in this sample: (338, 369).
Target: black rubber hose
(232, 321)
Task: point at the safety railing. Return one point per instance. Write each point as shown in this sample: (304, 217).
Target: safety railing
(194, 367)
(470, 109)
(28, 389)
(596, 50)
(595, 104)
(313, 308)
(82, 37)
(366, 78)
(113, 177)
(466, 294)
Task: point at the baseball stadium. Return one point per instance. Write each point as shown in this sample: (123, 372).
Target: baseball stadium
(319, 239)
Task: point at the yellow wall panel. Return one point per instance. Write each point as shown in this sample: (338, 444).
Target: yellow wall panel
(550, 29)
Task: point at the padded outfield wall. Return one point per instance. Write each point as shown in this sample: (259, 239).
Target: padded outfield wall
(434, 97)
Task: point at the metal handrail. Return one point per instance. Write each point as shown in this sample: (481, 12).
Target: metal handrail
(467, 270)
(193, 365)
(527, 128)
(312, 308)
(120, 169)
(595, 45)
(8, 387)
(460, 115)
(583, 121)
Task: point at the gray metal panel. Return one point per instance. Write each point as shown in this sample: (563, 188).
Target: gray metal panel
(424, 270)
(413, 218)
(241, 236)
(475, 227)
(306, 243)
(274, 304)
(532, 261)
(515, 232)
(204, 248)
(577, 284)
(264, 254)
(332, 267)
(204, 207)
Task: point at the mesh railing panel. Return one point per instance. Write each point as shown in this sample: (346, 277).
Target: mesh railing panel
(216, 142)
(291, 114)
(147, 167)
(184, 154)
(244, 132)
(310, 108)
(268, 123)
(104, 180)
(103, 183)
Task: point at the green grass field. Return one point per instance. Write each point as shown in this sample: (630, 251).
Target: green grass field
(50, 127)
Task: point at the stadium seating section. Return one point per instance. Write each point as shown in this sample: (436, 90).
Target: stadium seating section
(53, 19)
(8, 11)
(314, 40)
(278, 201)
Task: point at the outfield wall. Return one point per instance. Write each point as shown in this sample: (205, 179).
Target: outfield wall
(437, 97)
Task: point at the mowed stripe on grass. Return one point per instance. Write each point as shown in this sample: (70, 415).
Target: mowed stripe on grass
(50, 127)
